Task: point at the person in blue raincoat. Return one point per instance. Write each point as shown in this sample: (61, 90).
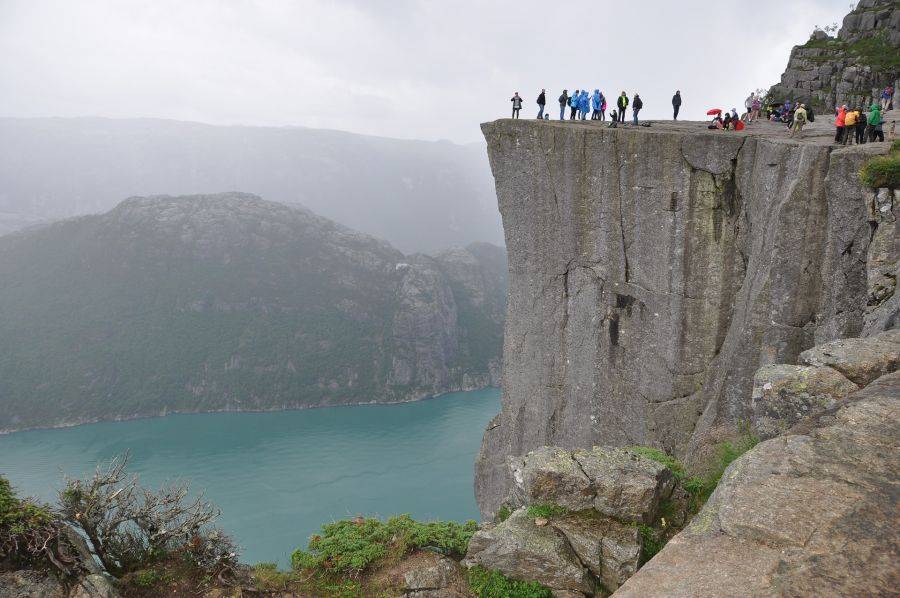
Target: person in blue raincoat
(596, 102)
(585, 104)
(573, 104)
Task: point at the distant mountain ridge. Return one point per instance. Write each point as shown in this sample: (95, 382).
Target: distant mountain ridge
(420, 196)
(231, 302)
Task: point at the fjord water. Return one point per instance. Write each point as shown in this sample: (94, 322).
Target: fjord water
(278, 476)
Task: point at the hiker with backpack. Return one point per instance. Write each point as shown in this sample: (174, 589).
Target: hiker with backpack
(516, 104)
(622, 105)
(541, 102)
(799, 121)
(563, 102)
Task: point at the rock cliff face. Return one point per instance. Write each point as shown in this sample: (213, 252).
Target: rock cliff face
(851, 68)
(653, 271)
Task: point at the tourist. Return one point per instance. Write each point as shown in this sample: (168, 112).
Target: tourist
(754, 109)
(546, 116)
(573, 104)
(614, 122)
(799, 121)
(861, 124)
(622, 104)
(839, 124)
(517, 104)
(584, 104)
(563, 102)
(850, 126)
(876, 124)
(636, 106)
(596, 102)
(676, 104)
(726, 122)
(602, 106)
(541, 102)
(748, 105)
(886, 98)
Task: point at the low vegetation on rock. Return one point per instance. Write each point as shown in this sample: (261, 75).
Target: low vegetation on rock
(883, 171)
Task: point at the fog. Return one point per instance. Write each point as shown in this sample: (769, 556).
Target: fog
(399, 68)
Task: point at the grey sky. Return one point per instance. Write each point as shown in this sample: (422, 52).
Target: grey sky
(400, 68)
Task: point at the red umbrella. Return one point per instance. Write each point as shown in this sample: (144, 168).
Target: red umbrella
(714, 112)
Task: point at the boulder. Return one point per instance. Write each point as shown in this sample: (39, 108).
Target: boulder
(522, 550)
(550, 475)
(785, 394)
(811, 514)
(30, 584)
(628, 486)
(429, 575)
(861, 360)
(94, 586)
(609, 549)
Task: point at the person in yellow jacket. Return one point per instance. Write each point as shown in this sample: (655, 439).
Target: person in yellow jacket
(850, 121)
(799, 120)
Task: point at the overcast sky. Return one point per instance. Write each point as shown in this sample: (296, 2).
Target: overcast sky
(425, 69)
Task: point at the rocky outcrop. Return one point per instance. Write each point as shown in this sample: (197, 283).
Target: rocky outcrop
(810, 513)
(653, 271)
(851, 68)
(583, 534)
(34, 583)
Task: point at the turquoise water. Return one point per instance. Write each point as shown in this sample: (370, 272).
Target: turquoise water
(278, 476)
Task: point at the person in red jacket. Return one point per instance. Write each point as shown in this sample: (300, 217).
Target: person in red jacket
(839, 124)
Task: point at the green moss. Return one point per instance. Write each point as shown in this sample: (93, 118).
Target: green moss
(876, 52)
(660, 457)
(352, 546)
(493, 584)
(547, 511)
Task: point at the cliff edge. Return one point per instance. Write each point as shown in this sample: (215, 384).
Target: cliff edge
(652, 271)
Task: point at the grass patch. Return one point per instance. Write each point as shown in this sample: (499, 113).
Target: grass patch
(267, 578)
(504, 513)
(352, 546)
(493, 584)
(876, 52)
(547, 511)
(883, 171)
(651, 542)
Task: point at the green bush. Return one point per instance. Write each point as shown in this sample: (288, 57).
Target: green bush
(351, 546)
(546, 511)
(493, 584)
(651, 542)
(27, 529)
(882, 171)
(504, 513)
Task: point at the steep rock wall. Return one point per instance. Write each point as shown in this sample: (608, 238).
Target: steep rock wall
(652, 272)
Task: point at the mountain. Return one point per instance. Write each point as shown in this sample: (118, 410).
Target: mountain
(851, 68)
(420, 196)
(230, 302)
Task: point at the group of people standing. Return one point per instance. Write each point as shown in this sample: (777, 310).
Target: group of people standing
(855, 124)
(582, 103)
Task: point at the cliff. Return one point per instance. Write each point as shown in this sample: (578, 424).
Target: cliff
(652, 271)
(851, 68)
(230, 302)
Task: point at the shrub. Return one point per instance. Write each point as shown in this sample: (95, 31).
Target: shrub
(882, 171)
(131, 528)
(651, 542)
(493, 584)
(268, 578)
(351, 546)
(546, 511)
(504, 513)
(31, 534)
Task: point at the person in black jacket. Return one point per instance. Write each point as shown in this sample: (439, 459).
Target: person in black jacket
(541, 102)
(563, 102)
(676, 104)
(636, 105)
